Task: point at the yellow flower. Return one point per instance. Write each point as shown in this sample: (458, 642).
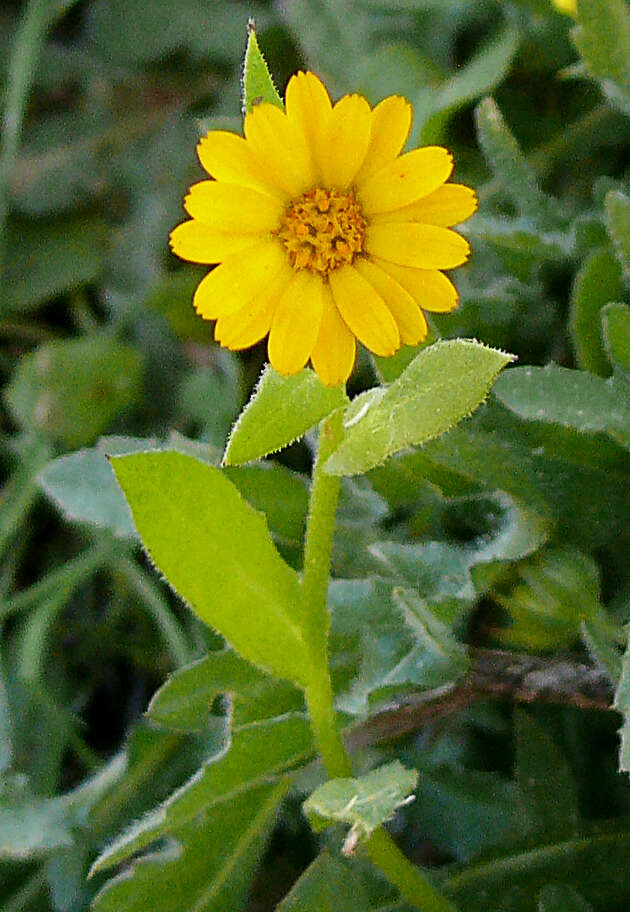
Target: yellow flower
(566, 6)
(324, 233)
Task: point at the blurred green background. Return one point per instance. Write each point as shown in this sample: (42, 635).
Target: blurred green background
(98, 337)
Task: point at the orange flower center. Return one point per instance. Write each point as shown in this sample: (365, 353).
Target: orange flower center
(322, 230)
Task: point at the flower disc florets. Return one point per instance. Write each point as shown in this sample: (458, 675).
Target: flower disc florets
(322, 230)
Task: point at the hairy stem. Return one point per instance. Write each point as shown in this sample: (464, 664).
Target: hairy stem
(412, 884)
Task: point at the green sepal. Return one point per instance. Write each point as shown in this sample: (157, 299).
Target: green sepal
(257, 80)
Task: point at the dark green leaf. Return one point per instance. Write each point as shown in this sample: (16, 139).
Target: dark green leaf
(603, 40)
(616, 331)
(555, 898)
(71, 391)
(597, 283)
(327, 885)
(45, 259)
(208, 864)
(573, 399)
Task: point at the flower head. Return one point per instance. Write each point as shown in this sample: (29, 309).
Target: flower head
(323, 232)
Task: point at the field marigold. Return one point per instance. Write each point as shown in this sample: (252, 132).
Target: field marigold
(323, 231)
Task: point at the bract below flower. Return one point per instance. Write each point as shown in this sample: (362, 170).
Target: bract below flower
(323, 232)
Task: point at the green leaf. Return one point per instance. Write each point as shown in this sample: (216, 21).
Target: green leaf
(602, 637)
(279, 493)
(84, 488)
(327, 885)
(47, 258)
(70, 391)
(467, 812)
(400, 644)
(31, 826)
(479, 76)
(577, 482)
(258, 754)
(622, 704)
(216, 552)
(548, 792)
(126, 36)
(281, 410)
(570, 398)
(603, 41)
(597, 283)
(618, 225)
(210, 865)
(548, 596)
(365, 802)
(257, 80)
(561, 898)
(616, 331)
(442, 385)
(507, 161)
(185, 702)
(589, 863)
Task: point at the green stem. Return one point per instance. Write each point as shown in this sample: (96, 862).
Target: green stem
(320, 528)
(321, 708)
(317, 554)
(412, 884)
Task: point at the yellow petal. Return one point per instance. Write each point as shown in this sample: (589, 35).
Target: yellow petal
(364, 311)
(227, 157)
(347, 141)
(391, 122)
(420, 246)
(449, 205)
(228, 207)
(251, 323)
(405, 179)
(281, 147)
(430, 289)
(335, 349)
(309, 108)
(198, 243)
(296, 323)
(238, 279)
(410, 319)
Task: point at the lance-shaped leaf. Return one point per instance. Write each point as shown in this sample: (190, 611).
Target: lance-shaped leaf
(442, 385)
(258, 754)
(257, 80)
(618, 225)
(216, 552)
(281, 410)
(364, 803)
(603, 41)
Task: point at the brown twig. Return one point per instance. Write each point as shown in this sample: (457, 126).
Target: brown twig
(494, 675)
